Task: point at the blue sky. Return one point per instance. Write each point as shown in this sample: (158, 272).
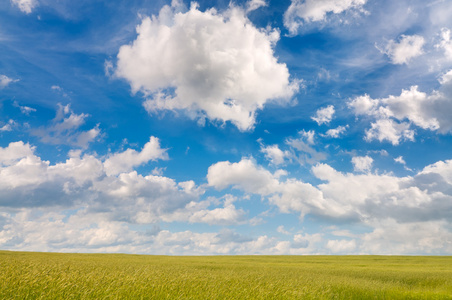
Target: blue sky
(210, 127)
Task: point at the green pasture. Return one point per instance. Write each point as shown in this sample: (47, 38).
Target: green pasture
(26, 275)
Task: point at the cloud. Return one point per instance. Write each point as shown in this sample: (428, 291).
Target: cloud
(26, 110)
(289, 195)
(109, 209)
(275, 155)
(300, 150)
(341, 246)
(445, 43)
(244, 175)
(28, 181)
(8, 126)
(5, 80)
(303, 12)
(362, 163)
(210, 64)
(324, 115)
(389, 130)
(407, 48)
(395, 115)
(401, 161)
(255, 4)
(26, 6)
(336, 132)
(65, 129)
(304, 146)
(127, 160)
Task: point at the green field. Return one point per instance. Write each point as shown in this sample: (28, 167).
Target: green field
(116, 276)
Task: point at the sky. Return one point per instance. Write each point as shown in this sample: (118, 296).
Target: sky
(215, 127)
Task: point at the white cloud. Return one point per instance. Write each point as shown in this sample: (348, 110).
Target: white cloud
(8, 126)
(300, 12)
(28, 181)
(275, 155)
(362, 163)
(244, 175)
(336, 132)
(255, 4)
(341, 246)
(210, 64)
(404, 215)
(26, 110)
(445, 43)
(281, 229)
(5, 80)
(400, 160)
(389, 130)
(308, 136)
(304, 146)
(65, 129)
(26, 6)
(395, 115)
(390, 237)
(407, 48)
(289, 195)
(324, 115)
(127, 160)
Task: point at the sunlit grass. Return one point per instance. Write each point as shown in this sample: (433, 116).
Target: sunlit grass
(116, 276)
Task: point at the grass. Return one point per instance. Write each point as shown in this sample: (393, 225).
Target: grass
(27, 275)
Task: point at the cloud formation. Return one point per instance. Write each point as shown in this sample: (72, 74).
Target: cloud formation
(127, 160)
(213, 65)
(362, 163)
(26, 6)
(65, 129)
(324, 115)
(404, 50)
(5, 80)
(394, 116)
(305, 11)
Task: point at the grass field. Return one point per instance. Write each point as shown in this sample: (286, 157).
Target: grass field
(115, 276)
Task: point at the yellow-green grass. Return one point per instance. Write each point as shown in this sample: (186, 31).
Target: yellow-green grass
(27, 275)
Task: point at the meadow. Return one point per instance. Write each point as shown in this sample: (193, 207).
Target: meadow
(29, 275)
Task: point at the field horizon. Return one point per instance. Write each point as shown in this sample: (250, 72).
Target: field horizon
(53, 275)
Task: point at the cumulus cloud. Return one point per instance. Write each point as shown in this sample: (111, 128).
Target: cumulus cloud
(336, 132)
(446, 43)
(65, 129)
(389, 130)
(28, 181)
(5, 80)
(80, 233)
(26, 110)
(301, 12)
(127, 160)
(8, 126)
(290, 195)
(341, 246)
(26, 6)
(362, 163)
(366, 197)
(324, 115)
(255, 4)
(275, 155)
(401, 161)
(106, 205)
(394, 116)
(407, 48)
(303, 148)
(210, 64)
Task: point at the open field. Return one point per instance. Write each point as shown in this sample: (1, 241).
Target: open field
(111, 276)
